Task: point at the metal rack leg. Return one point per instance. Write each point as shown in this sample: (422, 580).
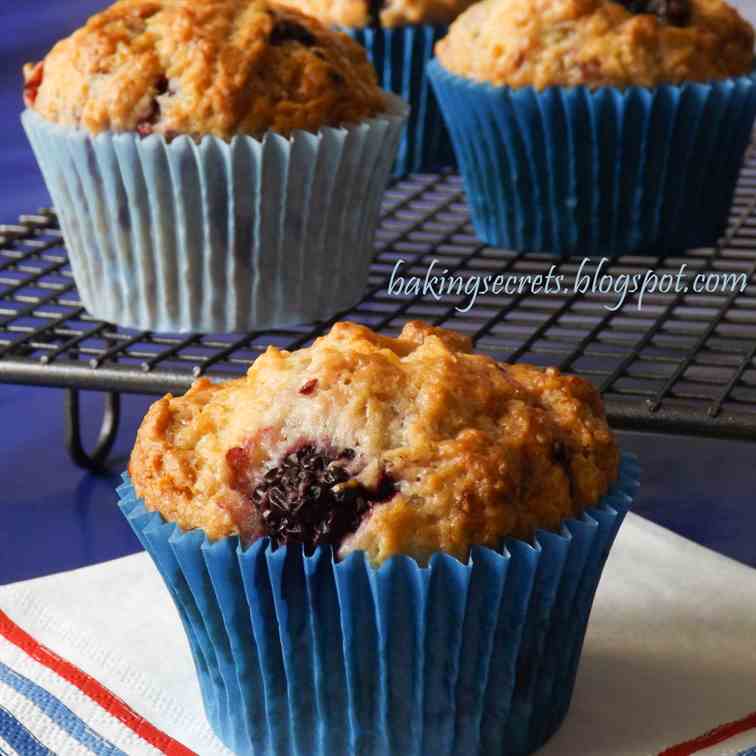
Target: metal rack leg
(96, 461)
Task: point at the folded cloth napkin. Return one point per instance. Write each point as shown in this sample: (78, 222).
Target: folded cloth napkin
(670, 656)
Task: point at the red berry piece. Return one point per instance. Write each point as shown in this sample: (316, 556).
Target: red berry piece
(33, 81)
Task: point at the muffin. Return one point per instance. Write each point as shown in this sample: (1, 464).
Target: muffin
(215, 166)
(595, 127)
(382, 545)
(399, 36)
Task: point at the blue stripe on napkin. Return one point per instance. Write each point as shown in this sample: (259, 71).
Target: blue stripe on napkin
(58, 712)
(18, 737)
(749, 752)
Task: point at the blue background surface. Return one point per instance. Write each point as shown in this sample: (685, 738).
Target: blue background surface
(55, 517)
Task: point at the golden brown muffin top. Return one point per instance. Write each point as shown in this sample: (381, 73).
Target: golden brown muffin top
(392, 446)
(197, 67)
(389, 13)
(544, 43)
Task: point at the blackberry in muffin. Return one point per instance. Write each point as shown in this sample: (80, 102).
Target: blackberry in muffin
(309, 497)
(408, 445)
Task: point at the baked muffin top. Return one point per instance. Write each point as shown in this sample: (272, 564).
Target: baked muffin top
(393, 446)
(388, 13)
(220, 67)
(544, 43)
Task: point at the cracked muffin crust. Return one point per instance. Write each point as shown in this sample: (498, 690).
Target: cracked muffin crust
(220, 67)
(392, 446)
(545, 43)
(386, 13)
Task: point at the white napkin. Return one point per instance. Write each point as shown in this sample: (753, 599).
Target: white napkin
(670, 651)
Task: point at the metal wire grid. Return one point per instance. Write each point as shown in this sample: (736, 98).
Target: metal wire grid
(681, 363)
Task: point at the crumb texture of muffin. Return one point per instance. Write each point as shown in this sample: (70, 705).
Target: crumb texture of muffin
(389, 13)
(545, 43)
(220, 67)
(393, 446)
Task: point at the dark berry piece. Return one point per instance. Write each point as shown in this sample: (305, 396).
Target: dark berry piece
(385, 489)
(290, 31)
(161, 85)
(309, 497)
(672, 12)
(336, 78)
(146, 125)
(559, 452)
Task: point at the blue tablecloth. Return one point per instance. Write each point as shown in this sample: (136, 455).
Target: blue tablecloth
(56, 517)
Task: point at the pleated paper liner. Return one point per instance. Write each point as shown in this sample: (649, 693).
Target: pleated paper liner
(306, 656)
(400, 56)
(570, 170)
(214, 235)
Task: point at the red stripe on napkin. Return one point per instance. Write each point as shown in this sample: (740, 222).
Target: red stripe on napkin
(713, 737)
(91, 688)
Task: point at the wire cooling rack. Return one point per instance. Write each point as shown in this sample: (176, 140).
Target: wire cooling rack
(683, 362)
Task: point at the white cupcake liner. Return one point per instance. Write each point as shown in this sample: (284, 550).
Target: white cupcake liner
(219, 236)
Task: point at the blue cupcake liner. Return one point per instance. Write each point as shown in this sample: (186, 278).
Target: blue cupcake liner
(215, 235)
(570, 170)
(306, 656)
(400, 56)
